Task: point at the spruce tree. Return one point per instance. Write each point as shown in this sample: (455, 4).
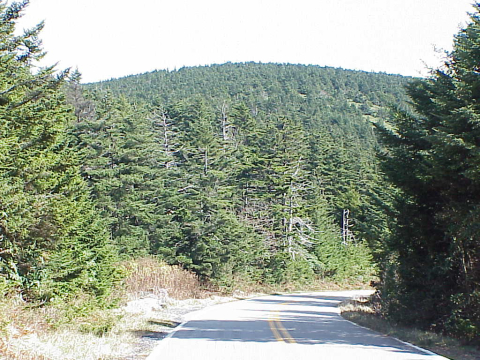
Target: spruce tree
(434, 247)
(52, 243)
(123, 163)
(210, 239)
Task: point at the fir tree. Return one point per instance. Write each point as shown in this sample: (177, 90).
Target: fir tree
(122, 161)
(433, 159)
(210, 239)
(52, 244)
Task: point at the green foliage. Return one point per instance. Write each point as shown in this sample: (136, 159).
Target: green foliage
(433, 251)
(351, 262)
(255, 165)
(464, 322)
(52, 244)
(209, 238)
(335, 108)
(311, 95)
(83, 313)
(240, 169)
(122, 163)
(283, 269)
(299, 271)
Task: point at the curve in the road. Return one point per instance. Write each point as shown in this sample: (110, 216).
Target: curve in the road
(280, 327)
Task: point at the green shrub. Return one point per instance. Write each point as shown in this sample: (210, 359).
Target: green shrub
(284, 269)
(464, 323)
(346, 262)
(299, 271)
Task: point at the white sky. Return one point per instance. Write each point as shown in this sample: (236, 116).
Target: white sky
(114, 38)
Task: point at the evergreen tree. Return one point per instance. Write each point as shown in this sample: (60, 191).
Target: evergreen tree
(123, 163)
(52, 243)
(210, 239)
(434, 247)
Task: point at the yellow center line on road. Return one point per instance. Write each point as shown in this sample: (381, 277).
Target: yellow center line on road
(281, 334)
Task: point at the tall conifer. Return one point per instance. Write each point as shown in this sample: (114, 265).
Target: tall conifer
(435, 248)
(51, 242)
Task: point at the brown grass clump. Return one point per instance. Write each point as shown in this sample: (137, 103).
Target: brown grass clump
(151, 276)
(17, 320)
(78, 329)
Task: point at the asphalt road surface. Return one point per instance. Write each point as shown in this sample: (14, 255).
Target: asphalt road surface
(280, 327)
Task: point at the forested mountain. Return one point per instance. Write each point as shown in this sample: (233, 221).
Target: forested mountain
(260, 169)
(285, 158)
(314, 96)
(261, 172)
(334, 107)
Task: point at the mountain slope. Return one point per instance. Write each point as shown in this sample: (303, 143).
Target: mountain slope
(341, 100)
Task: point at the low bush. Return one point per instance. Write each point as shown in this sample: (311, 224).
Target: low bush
(464, 322)
(151, 276)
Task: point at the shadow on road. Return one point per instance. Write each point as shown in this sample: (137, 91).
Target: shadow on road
(307, 327)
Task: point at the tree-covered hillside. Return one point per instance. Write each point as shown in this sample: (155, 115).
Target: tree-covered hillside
(256, 171)
(340, 100)
(334, 107)
(260, 169)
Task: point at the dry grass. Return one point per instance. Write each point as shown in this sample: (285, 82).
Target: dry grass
(78, 331)
(149, 276)
(17, 321)
(366, 313)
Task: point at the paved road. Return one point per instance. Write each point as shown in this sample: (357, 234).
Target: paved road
(297, 326)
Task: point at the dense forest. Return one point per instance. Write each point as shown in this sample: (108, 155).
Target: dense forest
(264, 173)
(282, 157)
(334, 109)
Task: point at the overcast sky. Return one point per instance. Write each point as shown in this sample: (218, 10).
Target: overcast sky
(114, 38)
